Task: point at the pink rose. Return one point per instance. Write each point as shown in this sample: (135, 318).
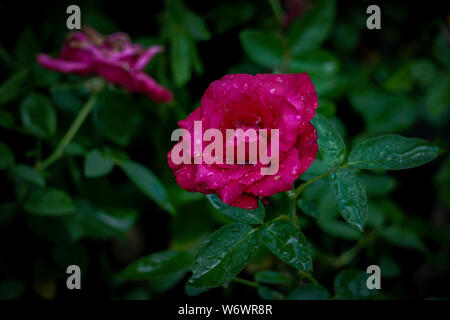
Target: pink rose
(286, 102)
(113, 57)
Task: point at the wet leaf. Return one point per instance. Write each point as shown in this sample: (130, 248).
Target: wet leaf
(288, 243)
(308, 207)
(224, 254)
(158, 264)
(250, 216)
(350, 197)
(392, 152)
(351, 284)
(331, 145)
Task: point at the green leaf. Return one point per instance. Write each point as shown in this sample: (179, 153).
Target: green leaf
(8, 211)
(268, 294)
(312, 29)
(392, 152)
(339, 229)
(423, 71)
(317, 168)
(377, 109)
(437, 101)
(43, 77)
(263, 48)
(351, 284)
(441, 49)
(116, 117)
(180, 58)
(11, 289)
(148, 183)
(49, 202)
(350, 196)
(6, 119)
(29, 174)
(331, 145)
(400, 80)
(5, 58)
(308, 207)
(66, 254)
(288, 243)
(27, 48)
(38, 115)
(6, 156)
(326, 107)
(402, 237)
(309, 292)
(12, 87)
(274, 277)
(192, 291)
(195, 26)
(66, 99)
(315, 62)
(159, 285)
(92, 222)
(390, 268)
(250, 216)
(97, 165)
(377, 185)
(158, 264)
(224, 254)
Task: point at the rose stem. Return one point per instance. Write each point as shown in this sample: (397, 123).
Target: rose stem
(246, 282)
(73, 129)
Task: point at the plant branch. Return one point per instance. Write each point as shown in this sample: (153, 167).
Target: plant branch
(73, 129)
(309, 276)
(296, 192)
(246, 282)
(277, 10)
(348, 255)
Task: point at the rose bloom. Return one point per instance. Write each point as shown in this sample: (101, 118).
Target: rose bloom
(286, 102)
(115, 58)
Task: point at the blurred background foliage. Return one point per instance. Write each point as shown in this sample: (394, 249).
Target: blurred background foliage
(112, 199)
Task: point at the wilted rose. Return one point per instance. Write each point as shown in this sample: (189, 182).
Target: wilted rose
(113, 57)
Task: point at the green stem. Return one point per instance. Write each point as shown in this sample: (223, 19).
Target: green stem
(348, 255)
(246, 282)
(293, 214)
(295, 193)
(301, 187)
(73, 129)
(280, 217)
(309, 276)
(277, 10)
